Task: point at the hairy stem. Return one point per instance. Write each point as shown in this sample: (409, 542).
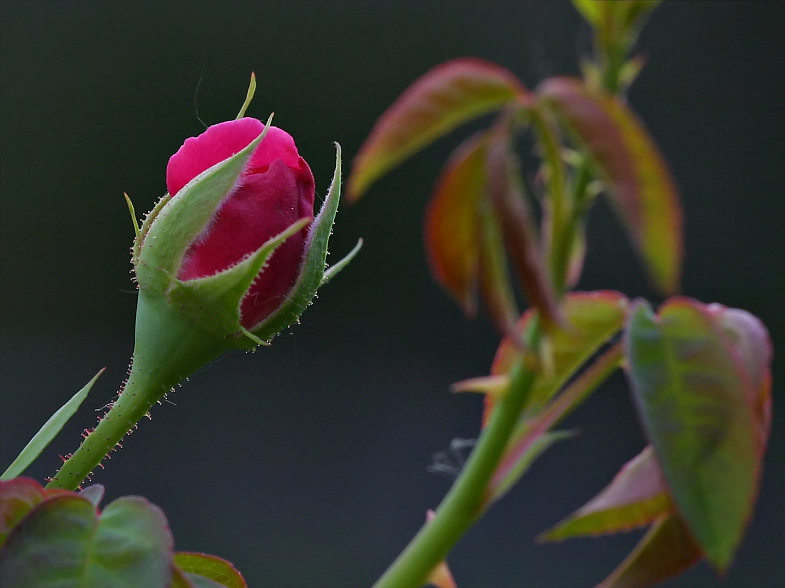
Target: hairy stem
(167, 349)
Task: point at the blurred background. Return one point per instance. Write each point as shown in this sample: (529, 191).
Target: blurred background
(305, 463)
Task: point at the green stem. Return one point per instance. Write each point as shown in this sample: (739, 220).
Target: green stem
(467, 499)
(167, 349)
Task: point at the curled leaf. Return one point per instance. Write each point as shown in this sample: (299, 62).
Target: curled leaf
(702, 410)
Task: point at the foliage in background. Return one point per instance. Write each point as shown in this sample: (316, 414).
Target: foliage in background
(698, 373)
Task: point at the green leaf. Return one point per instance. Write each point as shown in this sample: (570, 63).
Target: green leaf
(63, 542)
(443, 98)
(640, 185)
(664, 552)
(635, 497)
(210, 567)
(591, 318)
(692, 393)
(48, 432)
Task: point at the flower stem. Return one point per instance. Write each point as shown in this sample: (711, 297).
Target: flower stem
(168, 348)
(467, 499)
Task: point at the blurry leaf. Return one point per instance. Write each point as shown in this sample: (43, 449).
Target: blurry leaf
(665, 551)
(635, 497)
(692, 392)
(48, 432)
(94, 493)
(750, 343)
(211, 567)
(443, 98)
(640, 185)
(590, 319)
(17, 498)
(63, 542)
(505, 188)
(452, 222)
(493, 275)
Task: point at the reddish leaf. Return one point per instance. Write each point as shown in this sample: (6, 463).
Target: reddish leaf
(635, 497)
(443, 98)
(452, 223)
(505, 190)
(17, 497)
(640, 185)
(749, 342)
(64, 542)
(664, 552)
(699, 405)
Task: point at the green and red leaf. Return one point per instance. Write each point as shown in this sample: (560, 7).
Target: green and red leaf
(210, 567)
(505, 191)
(590, 320)
(55, 537)
(17, 497)
(665, 551)
(453, 223)
(64, 542)
(443, 98)
(640, 185)
(635, 497)
(702, 391)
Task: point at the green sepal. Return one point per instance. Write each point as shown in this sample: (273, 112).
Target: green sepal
(147, 222)
(182, 219)
(213, 302)
(312, 272)
(338, 266)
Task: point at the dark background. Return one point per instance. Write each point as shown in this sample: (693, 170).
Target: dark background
(305, 464)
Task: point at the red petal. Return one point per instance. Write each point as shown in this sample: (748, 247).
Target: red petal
(216, 144)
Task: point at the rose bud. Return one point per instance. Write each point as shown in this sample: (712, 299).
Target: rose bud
(228, 258)
(232, 249)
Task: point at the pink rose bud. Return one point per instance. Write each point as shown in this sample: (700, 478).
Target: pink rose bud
(232, 255)
(274, 190)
